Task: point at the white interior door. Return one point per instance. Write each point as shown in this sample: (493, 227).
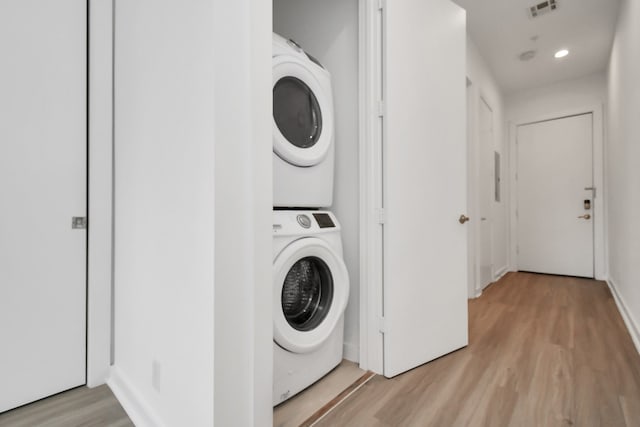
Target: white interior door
(486, 193)
(425, 249)
(555, 205)
(42, 186)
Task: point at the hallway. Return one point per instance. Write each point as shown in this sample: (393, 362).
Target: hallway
(544, 351)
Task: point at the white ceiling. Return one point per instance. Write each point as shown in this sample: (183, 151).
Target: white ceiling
(502, 30)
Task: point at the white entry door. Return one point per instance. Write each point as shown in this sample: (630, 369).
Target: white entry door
(42, 186)
(555, 202)
(425, 174)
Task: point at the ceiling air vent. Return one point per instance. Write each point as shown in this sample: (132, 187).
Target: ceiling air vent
(543, 8)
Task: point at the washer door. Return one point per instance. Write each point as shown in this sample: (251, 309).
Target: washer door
(311, 289)
(302, 113)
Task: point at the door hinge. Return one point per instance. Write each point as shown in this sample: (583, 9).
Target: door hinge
(380, 4)
(516, 213)
(381, 107)
(382, 325)
(79, 222)
(381, 216)
(517, 249)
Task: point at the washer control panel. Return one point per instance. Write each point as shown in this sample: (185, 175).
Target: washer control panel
(292, 222)
(324, 220)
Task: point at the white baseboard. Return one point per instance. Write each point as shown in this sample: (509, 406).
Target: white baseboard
(351, 352)
(629, 320)
(501, 272)
(497, 276)
(134, 405)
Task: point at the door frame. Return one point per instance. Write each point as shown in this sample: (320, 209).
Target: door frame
(99, 190)
(371, 214)
(599, 202)
(479, 286)
(473, 96)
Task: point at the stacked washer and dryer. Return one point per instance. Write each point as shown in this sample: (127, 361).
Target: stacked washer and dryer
(310, 279)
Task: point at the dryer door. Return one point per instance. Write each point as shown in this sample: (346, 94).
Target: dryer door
(311, 289)
(302, 113)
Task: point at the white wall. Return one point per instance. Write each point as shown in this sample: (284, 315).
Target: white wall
(244, 203)
(531, 104)
(328, 30)
(193, 210)
(164, 211)
(485, 86)
(623, 164)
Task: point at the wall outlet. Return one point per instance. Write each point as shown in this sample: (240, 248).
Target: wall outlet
(156, 375)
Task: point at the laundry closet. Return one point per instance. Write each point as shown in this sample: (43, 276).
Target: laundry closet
(327, 33)
(404, 204)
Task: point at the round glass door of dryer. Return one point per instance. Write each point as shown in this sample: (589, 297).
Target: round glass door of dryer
(310, 293)
(302, 112)
(296, 112)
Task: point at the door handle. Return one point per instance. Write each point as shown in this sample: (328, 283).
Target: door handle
(585, 216)
(463, 218)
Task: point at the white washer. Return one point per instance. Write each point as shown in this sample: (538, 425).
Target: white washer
(310, 293)
(303, 127)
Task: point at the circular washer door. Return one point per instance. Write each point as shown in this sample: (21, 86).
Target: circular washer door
(311, 289)
(302, 113)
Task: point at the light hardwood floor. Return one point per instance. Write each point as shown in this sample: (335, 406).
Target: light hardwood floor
(543, 351)
(80, 407)
(299, 408)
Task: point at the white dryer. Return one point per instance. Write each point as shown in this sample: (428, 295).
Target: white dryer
(310, 293)
(303, 127)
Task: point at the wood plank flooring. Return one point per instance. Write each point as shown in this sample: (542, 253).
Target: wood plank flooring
(543, 351)
(80, 407)
(299, 408)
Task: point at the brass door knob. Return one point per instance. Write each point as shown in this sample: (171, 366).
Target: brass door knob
(585, 216)
(463, 218)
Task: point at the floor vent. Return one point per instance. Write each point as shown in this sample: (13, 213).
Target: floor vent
(543, 8)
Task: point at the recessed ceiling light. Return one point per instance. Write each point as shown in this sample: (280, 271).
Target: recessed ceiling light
(561, 53)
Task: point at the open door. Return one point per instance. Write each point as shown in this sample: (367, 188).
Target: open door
(43, 191)
(425, 243)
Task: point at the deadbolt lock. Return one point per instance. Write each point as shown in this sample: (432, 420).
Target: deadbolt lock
(463, 218)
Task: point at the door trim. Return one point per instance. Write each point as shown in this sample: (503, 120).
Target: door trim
(100, 189)
(480, 287)
(473, 95)
(371, 217)
(599, 205)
